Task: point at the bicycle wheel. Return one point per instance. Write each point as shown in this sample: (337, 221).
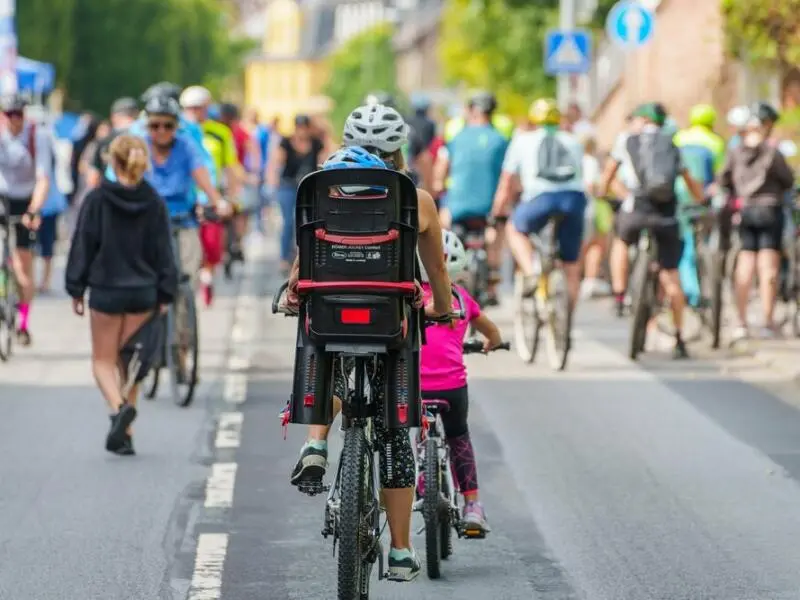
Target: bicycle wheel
(526, 321)
(183, 351)
(449, 519)
(558, 321)
(8, 313)
(432, 509)
(352, 532)
(150, 383)
(717, 276)
(642, 283)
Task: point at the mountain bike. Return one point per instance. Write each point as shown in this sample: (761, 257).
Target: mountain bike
(8, 286)
(352, 507)
(548, 307)
(472, 233)
(436, 487)
(181, 347)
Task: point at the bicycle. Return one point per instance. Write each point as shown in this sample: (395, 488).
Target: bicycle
(352, 506)
(548, 307)
(472, 234)
(182, 339)
(439, 493)
(8, 286)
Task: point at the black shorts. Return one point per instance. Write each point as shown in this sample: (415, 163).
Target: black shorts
(664, 229)
(26, 238)
(761, 228)
(123, 301)
(455, 419)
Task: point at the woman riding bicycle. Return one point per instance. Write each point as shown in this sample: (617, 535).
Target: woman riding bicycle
(444, 377)
(382, 131)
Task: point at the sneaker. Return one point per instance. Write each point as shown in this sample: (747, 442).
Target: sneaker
(474, 520)
(127, 447)
(403, 565)
(23, 337)
(312, 464)
(739, 334)
(679, 351)
(119, 424)
(770, 333)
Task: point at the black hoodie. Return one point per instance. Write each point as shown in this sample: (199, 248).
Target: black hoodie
(122, 241)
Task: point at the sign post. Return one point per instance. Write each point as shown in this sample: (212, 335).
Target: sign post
(567, 54)
(631, 25)
(8, 48)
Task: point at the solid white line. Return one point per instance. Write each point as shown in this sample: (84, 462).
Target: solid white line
(229, 430)
(220, 485)
(207, 576)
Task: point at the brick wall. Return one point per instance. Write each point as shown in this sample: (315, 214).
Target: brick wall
(683, 65)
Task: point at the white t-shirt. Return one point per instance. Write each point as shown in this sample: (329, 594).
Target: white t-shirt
(522, 159)
(591, 172)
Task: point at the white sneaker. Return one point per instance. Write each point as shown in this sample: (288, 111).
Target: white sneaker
(739, 334)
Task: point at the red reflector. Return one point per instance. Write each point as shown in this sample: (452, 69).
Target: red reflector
(402, 413)
(308, 400)
(356, 316)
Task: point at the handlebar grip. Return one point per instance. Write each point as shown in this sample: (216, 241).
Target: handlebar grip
(475, 346)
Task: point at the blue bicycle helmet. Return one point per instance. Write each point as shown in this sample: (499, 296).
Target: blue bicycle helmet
(353, 157)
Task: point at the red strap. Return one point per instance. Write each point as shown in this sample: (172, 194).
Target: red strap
(32, 142)
(405, 287)
(354, 240)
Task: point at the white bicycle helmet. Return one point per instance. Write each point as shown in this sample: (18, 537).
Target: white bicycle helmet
(195, 96)
(455, 256)
(375, 126)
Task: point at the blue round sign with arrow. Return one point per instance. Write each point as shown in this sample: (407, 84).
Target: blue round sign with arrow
(629, 24)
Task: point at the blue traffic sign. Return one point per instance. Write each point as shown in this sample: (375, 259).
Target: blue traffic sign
(630, 24)
(567, 51)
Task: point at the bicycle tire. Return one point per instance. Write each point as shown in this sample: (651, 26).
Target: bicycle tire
(8, 316)
(151, 381)
(350, 530)
(526, 349)
(184, 399)
(432, 509)
(558, 339)
(446, 524)
(717, 281)
(640, 280)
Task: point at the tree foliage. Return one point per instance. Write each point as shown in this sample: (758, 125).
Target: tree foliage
(364, 64)
(763, 30)
(104, 49)
(499, 45)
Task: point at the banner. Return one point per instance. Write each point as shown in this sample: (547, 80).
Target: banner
(8, 48)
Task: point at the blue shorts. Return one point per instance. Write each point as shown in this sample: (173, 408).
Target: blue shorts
(531, 217)
(46, 235)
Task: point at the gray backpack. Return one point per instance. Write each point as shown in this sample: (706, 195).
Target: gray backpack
(656, 162)
(556, 162)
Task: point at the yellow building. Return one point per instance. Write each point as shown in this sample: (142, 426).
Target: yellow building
(287, 77)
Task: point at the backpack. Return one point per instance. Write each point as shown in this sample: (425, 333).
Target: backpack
(657, 162)
(556, 162)
(31, 144)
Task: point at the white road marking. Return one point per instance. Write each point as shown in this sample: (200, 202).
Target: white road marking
(229, 430)
(220, 485)
(235, 391)
(207, 576)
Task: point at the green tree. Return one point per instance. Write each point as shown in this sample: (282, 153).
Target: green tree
(499, 45)
(364, 64)
(763, 30)
(103, 49)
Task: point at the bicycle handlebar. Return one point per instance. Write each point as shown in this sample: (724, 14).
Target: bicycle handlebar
(476, 346)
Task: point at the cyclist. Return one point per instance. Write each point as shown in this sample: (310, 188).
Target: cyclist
(121, 251)
(473, 162)
(177, 166)
(700, 139)
(737, 118)
(218, 141)
(548, 163)
(650, 153)
(124, 112)
(26, 164)
(381, 129)
(444, 377)
(757, 174)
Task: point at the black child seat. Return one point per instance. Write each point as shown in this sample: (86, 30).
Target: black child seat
(357, 240)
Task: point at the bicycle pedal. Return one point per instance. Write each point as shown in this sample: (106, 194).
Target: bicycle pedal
(312, 488)
(474, 534)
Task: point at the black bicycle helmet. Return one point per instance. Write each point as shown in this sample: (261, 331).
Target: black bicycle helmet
(164, 88)
(14, 103)
(764, 112)
(484, 101)
(163, 105)
(384, 98)
(229, 111)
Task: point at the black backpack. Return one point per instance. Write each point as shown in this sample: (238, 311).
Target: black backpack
(656, 162)
(556, 162)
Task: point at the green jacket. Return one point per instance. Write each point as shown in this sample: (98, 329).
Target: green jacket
(704, 137)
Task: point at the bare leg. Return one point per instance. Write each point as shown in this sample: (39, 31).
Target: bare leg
(768, 267)
(130, 325)
(745, 269)
(399, 503)
(106, 331)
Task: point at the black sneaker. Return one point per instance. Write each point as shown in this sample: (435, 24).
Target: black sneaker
(404, 565)
(119, 424)
(127, 447)
(310, 468)
(679, 351)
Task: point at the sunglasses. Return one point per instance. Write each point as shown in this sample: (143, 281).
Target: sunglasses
(165, 125)
(13, 113)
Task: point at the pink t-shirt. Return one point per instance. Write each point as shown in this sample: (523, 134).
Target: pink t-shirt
(442, 361)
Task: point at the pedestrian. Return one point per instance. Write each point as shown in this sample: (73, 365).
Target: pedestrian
(121, 252)
(597, 224)
(47, 235)
(297, 156)
(26, 167)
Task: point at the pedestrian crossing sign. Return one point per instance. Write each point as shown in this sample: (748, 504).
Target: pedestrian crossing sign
(567, 51)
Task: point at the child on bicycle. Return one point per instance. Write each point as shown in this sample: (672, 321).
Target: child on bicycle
(444, 377)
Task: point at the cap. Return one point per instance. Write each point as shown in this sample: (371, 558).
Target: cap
(124, 105)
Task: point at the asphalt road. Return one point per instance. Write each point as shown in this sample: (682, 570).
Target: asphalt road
(612, 481)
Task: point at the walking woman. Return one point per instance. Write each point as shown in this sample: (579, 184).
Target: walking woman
(297, 156)
(121, 251)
